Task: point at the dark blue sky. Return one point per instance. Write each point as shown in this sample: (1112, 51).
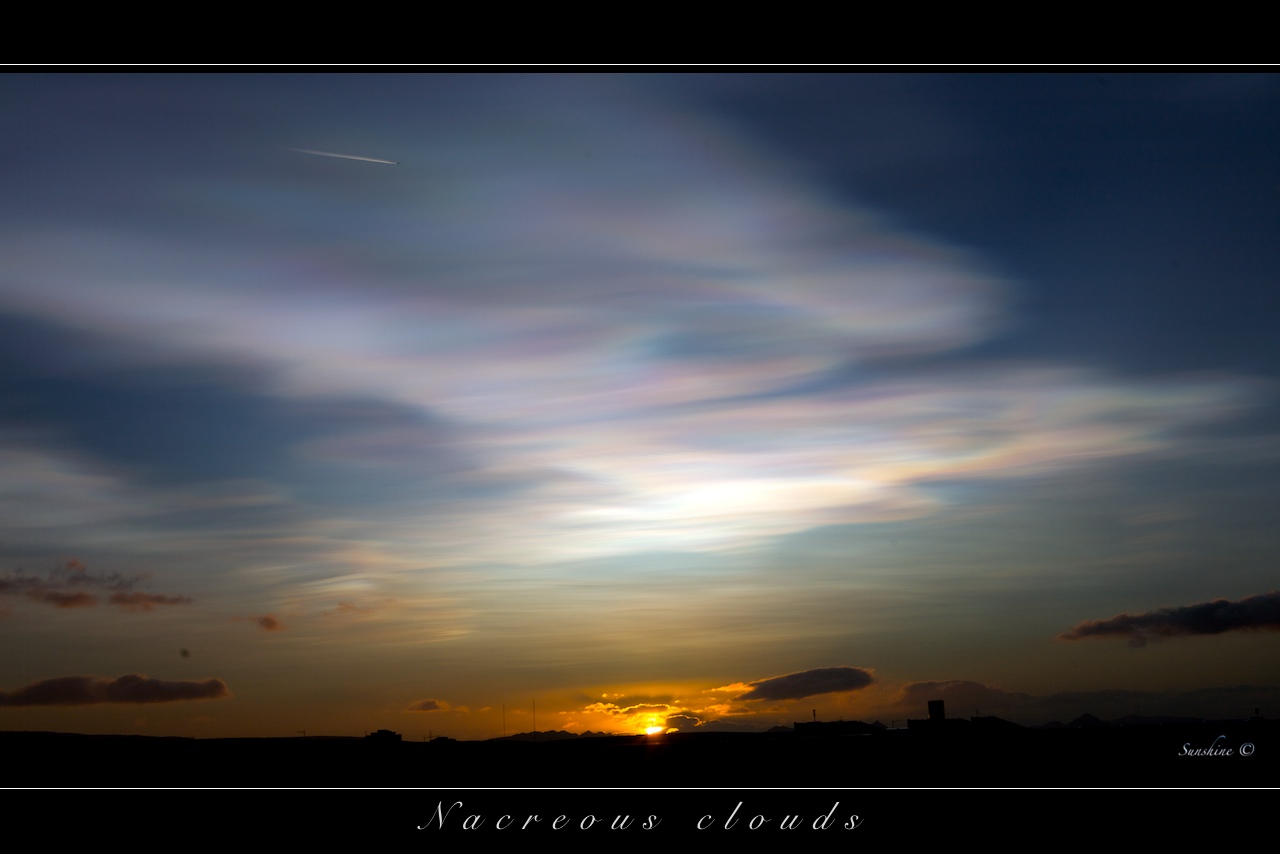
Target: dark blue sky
(1136, 211)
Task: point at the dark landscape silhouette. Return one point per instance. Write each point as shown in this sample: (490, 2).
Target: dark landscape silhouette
(936, 752)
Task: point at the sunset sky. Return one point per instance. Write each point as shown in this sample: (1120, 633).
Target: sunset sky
(706, 402)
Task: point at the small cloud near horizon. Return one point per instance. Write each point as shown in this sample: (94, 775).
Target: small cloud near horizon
(428, 705)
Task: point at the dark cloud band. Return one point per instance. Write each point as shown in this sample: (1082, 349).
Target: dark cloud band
(130, 688)
(69, 586)
(807, 683)
(1253, 613)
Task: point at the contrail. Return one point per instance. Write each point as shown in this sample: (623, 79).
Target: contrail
(347, 156)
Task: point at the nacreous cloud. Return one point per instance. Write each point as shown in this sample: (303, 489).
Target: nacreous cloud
(130, 688)
(680, 346)
(1253, 613)
(807, 683)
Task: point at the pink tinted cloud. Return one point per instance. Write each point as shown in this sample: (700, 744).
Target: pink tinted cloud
(63, 598)
(138, 601)
(269, 623)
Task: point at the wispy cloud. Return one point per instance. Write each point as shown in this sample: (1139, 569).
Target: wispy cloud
(131, 688)
(137, 601)
(1253, 613)
(685, 371)
(63, 599)
(627, 711)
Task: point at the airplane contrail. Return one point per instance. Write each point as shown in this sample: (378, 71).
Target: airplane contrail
(346, 156)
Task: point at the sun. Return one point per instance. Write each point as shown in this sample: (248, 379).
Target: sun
(654, 730)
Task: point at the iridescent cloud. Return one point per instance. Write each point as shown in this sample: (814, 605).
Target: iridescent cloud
(672, 345)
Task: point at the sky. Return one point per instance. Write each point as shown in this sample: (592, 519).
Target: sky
(624, 402)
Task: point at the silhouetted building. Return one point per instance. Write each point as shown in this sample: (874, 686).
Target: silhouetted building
(937, 721)
(383, 735)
